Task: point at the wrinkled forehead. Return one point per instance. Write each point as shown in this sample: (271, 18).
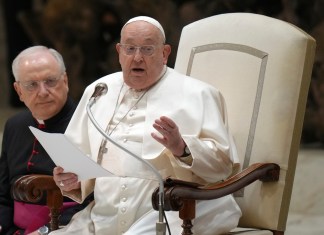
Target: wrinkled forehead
(38, 62)
(35, 57)
(33, 60)
(149, 20)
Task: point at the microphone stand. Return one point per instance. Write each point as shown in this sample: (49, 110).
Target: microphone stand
(160, 225)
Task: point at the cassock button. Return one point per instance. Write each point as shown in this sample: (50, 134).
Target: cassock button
(131, 114)
(124, 187)
(125, 140)
(123, 209)
(124, 199)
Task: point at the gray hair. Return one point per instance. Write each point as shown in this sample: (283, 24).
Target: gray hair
(31, 50)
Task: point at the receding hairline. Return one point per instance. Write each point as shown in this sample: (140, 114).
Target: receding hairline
(33, 50)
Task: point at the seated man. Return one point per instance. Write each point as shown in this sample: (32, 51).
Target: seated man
(42, 84)
(175, 122)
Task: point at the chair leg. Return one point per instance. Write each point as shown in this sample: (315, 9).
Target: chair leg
(55, 203)
(187, 213)
(187, 226)
(54, 222)
(278, 232)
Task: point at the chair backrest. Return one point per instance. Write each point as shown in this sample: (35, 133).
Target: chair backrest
(263, 67)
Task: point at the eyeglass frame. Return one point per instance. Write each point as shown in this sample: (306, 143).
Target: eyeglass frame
(140, 48)
(28, 84)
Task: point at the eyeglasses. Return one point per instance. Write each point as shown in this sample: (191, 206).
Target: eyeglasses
(146, 50)
(34, 85)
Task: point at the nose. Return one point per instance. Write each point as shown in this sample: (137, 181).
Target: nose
(138, 55)
(42, 88)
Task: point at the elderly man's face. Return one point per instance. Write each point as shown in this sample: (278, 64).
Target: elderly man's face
(142, 67)
(42, 86)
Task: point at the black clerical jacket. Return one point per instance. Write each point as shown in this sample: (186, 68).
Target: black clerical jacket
(22, 154)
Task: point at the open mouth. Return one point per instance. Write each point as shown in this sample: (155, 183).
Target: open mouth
(137, 70)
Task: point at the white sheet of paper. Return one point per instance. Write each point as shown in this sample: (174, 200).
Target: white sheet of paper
(68, 156)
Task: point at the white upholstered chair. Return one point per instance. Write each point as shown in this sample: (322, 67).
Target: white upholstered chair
(263, 67)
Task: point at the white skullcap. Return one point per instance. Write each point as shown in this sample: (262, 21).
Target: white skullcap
(149, 20)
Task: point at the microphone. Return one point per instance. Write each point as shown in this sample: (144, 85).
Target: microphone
(101, 89)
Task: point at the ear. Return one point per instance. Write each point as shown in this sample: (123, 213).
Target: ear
(118, 48)
(166, 52)
(18, 90)
(118, 51)
(66, 81)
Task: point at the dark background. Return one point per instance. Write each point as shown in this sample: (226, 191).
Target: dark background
(85, 33)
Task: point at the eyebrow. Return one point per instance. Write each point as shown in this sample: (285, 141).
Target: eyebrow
(147, 41)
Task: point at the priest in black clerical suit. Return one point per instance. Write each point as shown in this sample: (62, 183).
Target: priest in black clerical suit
(41, 83)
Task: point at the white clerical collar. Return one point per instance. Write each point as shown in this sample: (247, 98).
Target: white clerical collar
(40, 121)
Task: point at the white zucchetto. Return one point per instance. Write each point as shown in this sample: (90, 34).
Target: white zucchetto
(149, 20)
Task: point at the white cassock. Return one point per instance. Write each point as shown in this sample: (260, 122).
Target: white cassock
(123, 203)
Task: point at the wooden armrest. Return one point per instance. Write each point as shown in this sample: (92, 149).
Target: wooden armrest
(176, 191)
(31, 189)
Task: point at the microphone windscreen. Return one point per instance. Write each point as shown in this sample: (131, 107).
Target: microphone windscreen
(100, 89)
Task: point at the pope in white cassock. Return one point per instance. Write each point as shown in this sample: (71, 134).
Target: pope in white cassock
(175, 122)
